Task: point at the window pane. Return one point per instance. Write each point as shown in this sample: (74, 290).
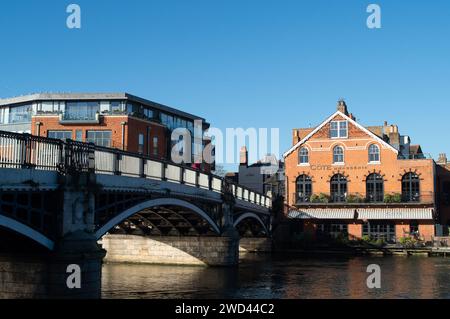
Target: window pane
(100, 138)
(61, 135)
(303, 156)
(155, 145)
(20, 114)
(81, 110)
(334, 129)
(304, 188)
(343, 129)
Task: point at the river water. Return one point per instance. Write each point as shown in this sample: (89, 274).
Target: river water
(283, 277)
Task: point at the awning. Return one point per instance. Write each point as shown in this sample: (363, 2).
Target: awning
(322, 213)
(395, 213)
(363, 213)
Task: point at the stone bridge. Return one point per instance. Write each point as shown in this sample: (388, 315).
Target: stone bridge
(59, 199)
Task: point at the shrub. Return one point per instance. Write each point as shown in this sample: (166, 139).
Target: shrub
(321, 198)
(379, 242)
(408, 242)
(342, 239)
(355, 198)
(393, 198)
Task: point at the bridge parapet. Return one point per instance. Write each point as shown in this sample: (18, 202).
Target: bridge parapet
(41, 153)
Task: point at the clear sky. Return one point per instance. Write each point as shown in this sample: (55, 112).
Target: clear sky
(243, 63)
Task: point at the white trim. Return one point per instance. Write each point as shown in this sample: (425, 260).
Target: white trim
(250, 215)
(26, 231)
(292, 149)
(303, 165)
(374, 163)
(153, 203)
(338, 164)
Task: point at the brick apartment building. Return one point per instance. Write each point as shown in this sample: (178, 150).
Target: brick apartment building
(117, 120)
(344, 178)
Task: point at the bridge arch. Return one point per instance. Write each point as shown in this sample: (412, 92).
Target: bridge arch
(250, 215)
(26, 231)
(154, 203)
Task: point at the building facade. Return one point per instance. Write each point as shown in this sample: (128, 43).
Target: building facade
(261, 176)
(344, 179)
(117, 120)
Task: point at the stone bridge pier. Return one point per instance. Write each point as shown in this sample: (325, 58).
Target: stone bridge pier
(219, 249)
(71, 266)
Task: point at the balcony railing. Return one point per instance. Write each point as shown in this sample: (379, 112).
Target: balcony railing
(72, 117)
(363, 199)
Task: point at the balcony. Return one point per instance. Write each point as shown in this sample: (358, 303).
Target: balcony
(79, 118)
(361, 200)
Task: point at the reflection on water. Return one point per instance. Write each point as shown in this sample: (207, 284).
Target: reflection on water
(283, 277)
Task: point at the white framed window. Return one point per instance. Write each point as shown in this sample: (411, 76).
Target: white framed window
(338, 155)
(339, 129)
(374, 154)
(303, 156)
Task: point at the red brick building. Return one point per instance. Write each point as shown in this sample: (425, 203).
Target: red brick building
(117, 120)
(346, 179)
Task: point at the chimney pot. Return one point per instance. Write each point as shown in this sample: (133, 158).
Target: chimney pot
(442, 158)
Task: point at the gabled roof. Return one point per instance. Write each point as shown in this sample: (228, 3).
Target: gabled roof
(318, 128)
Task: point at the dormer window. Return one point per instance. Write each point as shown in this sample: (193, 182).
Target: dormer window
(339, 129)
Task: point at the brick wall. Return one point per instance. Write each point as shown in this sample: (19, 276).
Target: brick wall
(113, 123)
(357, 166)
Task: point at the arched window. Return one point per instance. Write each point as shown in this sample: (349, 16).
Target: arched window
(338, 154)
(303, 156)
(304, 188)
(411, 187)
(338, 188)
(375, 188)
(374, 153)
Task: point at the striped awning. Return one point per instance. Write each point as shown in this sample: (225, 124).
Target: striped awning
(363, 213)
(395, 213)
(322, 213)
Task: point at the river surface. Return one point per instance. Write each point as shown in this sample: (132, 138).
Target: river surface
(282, 277)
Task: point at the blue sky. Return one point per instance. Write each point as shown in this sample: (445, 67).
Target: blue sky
(251, 63)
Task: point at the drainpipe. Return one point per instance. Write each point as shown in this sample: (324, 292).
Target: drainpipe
(123, 134)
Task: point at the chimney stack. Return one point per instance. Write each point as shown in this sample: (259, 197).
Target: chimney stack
(244, 156)
(296, 136)
(352, 117)
(442, 159)
(342, 107)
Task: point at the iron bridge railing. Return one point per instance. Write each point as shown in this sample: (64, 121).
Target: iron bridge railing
(25, 151)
